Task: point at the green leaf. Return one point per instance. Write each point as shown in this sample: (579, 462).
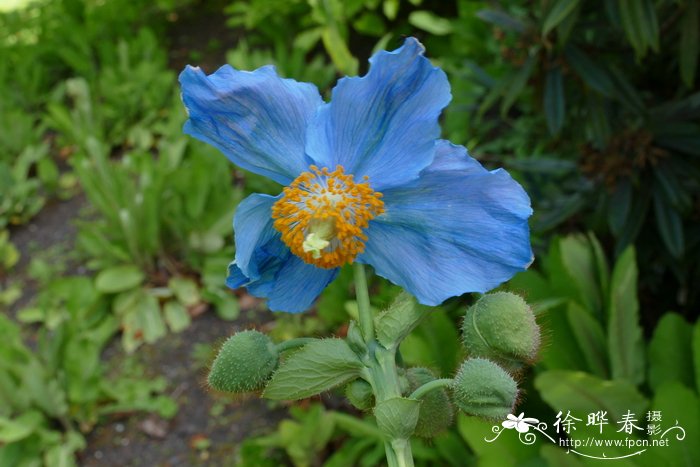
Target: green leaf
(638, 18)
(579, 262)
(339, 52)
(397, 322)
(591, 339)
(696, 354)
(668, 352)
(13, 430)
(176, 316)
(624, 332)
(317, 367)
(689, 45)
(678, 404)
(558, 13)
(670, 226)
(554, 102)
(397, 417)
(429, 21)
(517, 83)
(502, 19)
(583, 393)
(118, 279)
(590, 72)
(185, 290)
(391, 8)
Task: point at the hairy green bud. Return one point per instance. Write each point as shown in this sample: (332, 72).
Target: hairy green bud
(245, 363)
(501, 327)
(485, 389)
(359, 393)
(436, 409)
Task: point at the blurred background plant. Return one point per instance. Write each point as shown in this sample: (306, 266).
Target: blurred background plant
(593, 106)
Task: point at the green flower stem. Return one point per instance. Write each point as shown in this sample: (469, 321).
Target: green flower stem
(382, 372)
(294, 343)
(432, 385)
(362, 294)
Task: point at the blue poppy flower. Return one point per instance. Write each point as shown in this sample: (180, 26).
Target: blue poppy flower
(366, 179)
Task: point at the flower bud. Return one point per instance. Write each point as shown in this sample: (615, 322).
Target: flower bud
(436, 409)
(245, 363)
(501, 327)
(360, 395)
(483, 388)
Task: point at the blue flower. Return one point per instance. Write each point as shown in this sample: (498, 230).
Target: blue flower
(366, 179)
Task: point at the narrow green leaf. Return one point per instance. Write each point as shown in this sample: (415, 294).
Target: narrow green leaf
(339, 52)
(631, 17)
(118, 279)
(650, 24)
(502, 19)
(670, 226)
(517, 83)
(317, 367)
(558, 13)
(554, 103)
(429, 21)
(591, 339)
(689, 45)
(668, 352)
(590, 72)
(402, 316)
(577, 258)
(624, 332)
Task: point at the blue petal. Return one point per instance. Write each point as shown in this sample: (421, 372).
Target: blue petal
(266, 267)
(257, 119)
(383, 125)
(458, 228)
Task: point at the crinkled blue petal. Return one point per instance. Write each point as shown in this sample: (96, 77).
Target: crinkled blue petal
(257, 119)
(458, 228)
(266, 267)
(383, 125)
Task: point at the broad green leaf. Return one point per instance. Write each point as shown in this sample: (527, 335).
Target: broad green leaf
(677, 404)
(554, 103)
(557, 14)
(625, 343)
(391, 8)
(582, 393)
(689, 45)
(12, 430)
(590, 337)
(507, 450)
(185, 290)
(118, 279)
(176, 316)
(397, 322)
(670, 226)
(668, 352)
(429, 21)
(317, 367)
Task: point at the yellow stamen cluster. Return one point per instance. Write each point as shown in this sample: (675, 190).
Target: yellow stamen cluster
(322, 216)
